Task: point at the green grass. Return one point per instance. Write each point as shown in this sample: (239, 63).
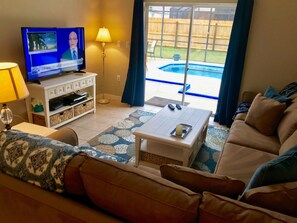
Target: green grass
(195, 55)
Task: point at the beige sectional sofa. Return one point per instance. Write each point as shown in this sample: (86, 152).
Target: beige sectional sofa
(106, 191)
(247, 148)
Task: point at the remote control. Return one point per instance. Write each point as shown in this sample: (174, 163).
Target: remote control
(178, 106)
(171, 107)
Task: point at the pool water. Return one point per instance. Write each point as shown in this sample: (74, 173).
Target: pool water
(195, 69)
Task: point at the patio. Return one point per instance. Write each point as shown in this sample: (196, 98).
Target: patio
(198, 84)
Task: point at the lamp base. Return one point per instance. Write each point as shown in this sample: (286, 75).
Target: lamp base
(7, 126)
(6, 116)
(103, 101)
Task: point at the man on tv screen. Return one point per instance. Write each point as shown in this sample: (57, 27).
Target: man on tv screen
(73, 53)
(73, 57)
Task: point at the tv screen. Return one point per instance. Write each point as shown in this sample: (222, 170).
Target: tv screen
(53, 51)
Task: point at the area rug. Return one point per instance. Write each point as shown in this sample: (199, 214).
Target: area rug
(119, 140)
(207, 157)
(161, 102)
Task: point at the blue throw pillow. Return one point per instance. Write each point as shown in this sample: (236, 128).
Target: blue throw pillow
(272, 93)
(279, 170)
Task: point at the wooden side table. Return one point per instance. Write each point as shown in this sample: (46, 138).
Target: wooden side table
(33, 129)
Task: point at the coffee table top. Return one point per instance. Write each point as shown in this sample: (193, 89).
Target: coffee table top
(160, 126)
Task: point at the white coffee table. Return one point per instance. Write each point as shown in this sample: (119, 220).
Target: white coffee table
(154, 143)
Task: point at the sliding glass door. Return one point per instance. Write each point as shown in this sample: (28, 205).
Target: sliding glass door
(170, 31)
(208, 44)
(187, 47)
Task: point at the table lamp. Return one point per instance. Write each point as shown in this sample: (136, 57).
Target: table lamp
(12, 88)
(103, 36)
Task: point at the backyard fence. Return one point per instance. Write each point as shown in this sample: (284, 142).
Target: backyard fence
(206, 34)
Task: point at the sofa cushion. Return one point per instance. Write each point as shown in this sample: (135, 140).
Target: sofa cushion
(199, 181)
(288, 123)
(278, 197)
(219, 209)
(265, 114)
(290, 142)
(242, 134)
(279, 170)
(240, 162)
(272, 93)
(135, 195)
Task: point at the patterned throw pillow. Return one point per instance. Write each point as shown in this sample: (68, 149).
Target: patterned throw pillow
(35, 159)
(39, 160)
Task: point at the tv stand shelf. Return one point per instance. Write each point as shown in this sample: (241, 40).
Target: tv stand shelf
(59, 87)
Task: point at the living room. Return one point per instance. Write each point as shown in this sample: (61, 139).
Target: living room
(270, 57)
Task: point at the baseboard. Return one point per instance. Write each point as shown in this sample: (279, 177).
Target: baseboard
(110, 96)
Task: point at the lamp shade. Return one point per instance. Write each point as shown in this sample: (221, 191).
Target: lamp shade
(12, 84)
(103, 35)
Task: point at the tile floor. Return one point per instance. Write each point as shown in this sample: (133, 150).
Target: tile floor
(106, 115)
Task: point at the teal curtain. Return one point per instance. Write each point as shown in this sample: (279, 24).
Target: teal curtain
(135, 85)
(231, 79)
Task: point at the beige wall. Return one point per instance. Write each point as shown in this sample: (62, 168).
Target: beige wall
(117, 17)
(54, 13)
(272, 47)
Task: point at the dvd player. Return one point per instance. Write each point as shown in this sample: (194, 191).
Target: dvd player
(55, 104)
(74, 99)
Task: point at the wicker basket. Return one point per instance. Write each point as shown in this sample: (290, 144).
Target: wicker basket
(61, 117)
(156, 159)
(82, 108)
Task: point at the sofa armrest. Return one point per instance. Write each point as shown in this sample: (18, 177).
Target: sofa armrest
(278, 197)
(199, 181)
(244, 105)
(216, 208)
(248, 96)
(66, 135)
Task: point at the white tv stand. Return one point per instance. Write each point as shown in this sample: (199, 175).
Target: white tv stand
(58, 87)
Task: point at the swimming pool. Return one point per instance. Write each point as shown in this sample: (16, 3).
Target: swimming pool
(195, 69)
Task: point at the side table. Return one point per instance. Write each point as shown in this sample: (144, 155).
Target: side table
(33, 129)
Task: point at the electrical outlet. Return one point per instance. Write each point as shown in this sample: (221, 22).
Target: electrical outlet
(118, 78)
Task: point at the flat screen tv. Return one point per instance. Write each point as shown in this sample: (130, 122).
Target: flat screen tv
(53, 51)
